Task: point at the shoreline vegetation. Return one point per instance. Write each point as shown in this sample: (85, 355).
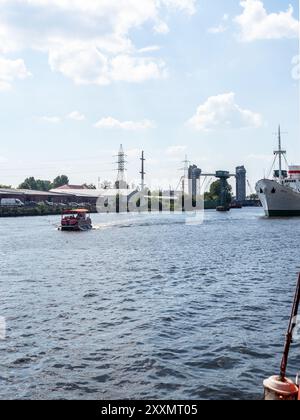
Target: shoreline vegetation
(40, 210)
(44, 210)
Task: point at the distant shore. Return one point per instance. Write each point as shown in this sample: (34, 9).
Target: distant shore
(6, 212)
(44, 210)
(33, 211)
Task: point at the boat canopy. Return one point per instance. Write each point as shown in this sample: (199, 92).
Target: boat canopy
(77, 211)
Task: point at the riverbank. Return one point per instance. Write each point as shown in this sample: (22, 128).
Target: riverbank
(47, 210)
(34, 211)
(6, 212)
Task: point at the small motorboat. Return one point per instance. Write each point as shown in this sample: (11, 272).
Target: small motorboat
(235, 205)
(223, 208)
(76, 220)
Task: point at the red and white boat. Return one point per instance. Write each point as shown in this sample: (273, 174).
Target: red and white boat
(76, 220)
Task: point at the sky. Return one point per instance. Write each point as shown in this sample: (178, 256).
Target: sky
(208, 79)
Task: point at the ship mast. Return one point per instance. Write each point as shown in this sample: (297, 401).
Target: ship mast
(143, 171)
(280, 153)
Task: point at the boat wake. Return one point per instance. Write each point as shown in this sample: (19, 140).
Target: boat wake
(126, 224)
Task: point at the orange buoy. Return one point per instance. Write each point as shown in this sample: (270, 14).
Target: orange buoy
(278, 390)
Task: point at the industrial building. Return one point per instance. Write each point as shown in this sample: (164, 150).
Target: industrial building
(27, 196)
(241, 181)
(194, 174)
(64, 195)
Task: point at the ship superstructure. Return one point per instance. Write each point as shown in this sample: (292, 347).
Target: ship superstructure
(280, 196)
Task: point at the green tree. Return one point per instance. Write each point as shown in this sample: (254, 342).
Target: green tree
(215, 192)
(5, 187)
(60, 181)
(28, 184)
(35, 184)
(43, 185)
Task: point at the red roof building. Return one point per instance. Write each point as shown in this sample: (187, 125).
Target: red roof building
(72, 187)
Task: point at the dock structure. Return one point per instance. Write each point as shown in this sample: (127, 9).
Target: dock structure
(194, 176)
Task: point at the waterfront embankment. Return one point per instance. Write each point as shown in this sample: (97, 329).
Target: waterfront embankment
(35, 211)
(45, 210)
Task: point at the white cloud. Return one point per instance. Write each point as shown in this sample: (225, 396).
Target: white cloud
(221, 28)
(151, 48)
(76, 116)
(82, 63)
(256, 24)
(9, 38)
(217, 29)
(188, 6)
(51, 120)
(112, 123)
(125, 14)
(222, 112)
(161, 28)
(11, 70)
(89, 41)
(175, 150)
(86, 65)
(135, 69)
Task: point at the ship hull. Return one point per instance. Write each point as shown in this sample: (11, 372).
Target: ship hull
(278, 200)
(75, 228)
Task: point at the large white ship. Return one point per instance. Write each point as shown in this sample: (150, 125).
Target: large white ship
(281, 195)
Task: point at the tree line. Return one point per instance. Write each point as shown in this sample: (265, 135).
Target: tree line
(214, 194)
(43, 185)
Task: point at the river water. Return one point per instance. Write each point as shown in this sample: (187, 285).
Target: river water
(146, 307)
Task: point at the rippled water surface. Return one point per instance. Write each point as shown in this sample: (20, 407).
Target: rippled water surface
(146, 308)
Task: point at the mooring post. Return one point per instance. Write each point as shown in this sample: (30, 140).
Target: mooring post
(278, 388)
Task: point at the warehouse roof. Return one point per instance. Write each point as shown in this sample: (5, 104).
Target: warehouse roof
(6, 191)
(93, 193)
(72, 187)
(88, 193)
